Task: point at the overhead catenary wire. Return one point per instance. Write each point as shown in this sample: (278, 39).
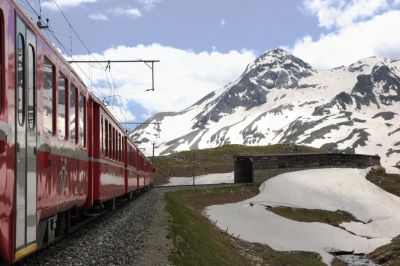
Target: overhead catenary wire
(67, 52)
(128, 57)
(113, 89)
(72, 27)
(79, 38)
(117, 99)
(62, 46)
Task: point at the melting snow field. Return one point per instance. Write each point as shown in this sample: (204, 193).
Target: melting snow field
(225, 178)
(326, 189)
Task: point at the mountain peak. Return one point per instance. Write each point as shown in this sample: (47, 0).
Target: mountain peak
(277, 52)
(367, 65)
(281, 99)
(279, 59)
(273, 55)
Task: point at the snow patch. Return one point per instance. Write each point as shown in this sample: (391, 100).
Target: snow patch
(326, 189)
(225, 178)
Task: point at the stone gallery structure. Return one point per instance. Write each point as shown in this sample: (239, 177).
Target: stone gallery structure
(258, 168)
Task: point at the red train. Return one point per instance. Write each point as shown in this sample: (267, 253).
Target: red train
(62, 154)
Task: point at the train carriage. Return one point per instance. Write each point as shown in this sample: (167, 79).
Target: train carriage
(61, 151)
(141, 170)
(108, 155)
(132, 174)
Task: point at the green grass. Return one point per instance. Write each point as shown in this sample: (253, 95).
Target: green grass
(215, 160)
(390, 253)
(387, 182)
(314, 215)
(199, 242)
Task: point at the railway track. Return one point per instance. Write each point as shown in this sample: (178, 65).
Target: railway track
(110, 238)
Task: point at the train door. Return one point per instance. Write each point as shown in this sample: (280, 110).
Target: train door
(25, 121)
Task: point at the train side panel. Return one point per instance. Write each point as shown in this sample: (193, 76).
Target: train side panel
(109, 179)
(7, 116)
(63, 162)
(132, 170)
(75, 163)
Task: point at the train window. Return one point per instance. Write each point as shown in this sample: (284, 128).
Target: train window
(82, 121)
(113, 143)
(61, 107)
(101, 135)
(120, 147)
(48, 81)
(116, 146)
(124, 150)
(1, 58)
(106, 137)
(135, 159)
(134, 152)
(109, 141)
(72, 113)
(31, 88)
(131, 157)
(21, 79)
(129, 154)
(120, 150)
(117, 142)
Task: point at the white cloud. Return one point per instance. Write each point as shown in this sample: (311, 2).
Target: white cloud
(359, 29)
(130, 12)
(222, 23)
(343, 13)
(181, 78)
(98, 16)
(65, 3)
(375, 37)
(148, 5)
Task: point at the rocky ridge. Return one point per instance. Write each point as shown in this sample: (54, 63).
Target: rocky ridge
(281, 99)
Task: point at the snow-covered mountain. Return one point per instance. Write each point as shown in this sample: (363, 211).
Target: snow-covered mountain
(281, 99)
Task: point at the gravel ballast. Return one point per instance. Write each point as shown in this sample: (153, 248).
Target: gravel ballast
(120, 238)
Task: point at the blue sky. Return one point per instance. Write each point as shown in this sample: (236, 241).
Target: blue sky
(205, 44)
(204, 25)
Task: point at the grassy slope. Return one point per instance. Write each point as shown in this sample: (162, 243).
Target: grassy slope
(198, 242)
(215, 160)
(388, 182)
(388, 254)
(314, 215)
(221, 160)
